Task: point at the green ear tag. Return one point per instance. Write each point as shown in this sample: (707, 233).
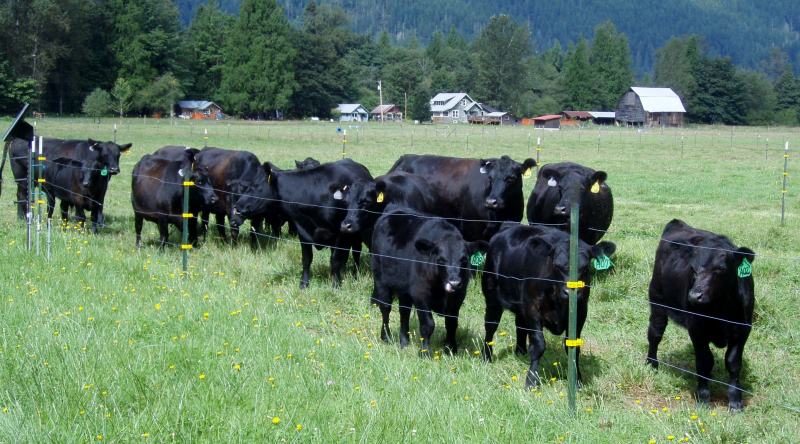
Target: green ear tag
(602, 263)
(477, 259)
(744, 270)
(104, 171)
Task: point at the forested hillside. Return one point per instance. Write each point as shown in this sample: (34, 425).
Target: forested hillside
(742, 30)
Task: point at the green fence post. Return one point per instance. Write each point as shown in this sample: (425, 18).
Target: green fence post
(185, 245)
(573, 341)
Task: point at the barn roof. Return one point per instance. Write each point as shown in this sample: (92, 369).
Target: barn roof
(349, 108)
(548, 117)
(603, 114)
(196, 104)
(578, 114)
(659, 100)
(386, 109)
(450, 101)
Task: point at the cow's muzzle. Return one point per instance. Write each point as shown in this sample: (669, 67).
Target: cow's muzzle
(697, 297)
(452, 285)
(493, 203)
(348, 226)
(560, 210)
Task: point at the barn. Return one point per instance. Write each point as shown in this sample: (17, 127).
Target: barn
(199, 109)
(547, 121)
(650, 107)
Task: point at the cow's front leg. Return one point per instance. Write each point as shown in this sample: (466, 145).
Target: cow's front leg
(308, 256)
(733, 362)
(704, 362)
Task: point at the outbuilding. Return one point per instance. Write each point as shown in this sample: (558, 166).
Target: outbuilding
(650, 107)
(352, 112)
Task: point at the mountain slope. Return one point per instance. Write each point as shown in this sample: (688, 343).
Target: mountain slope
(743, 30)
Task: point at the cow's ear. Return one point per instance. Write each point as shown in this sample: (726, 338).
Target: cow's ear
(604, 248)
(599, 177)
(528, 164)
(127, 146)
(486, 165)
(425, 246)
(298, 164)
(476, 246)
(744, 253)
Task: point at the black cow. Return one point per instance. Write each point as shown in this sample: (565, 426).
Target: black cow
(473, 189)
(707, 279)
(526, 271)
(308, 162)
(366, 200)
(157, 194)
(424, 263)
(102, 155)
(560, 184)
(312, 200)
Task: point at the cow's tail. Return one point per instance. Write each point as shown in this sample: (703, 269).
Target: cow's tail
(3, 164)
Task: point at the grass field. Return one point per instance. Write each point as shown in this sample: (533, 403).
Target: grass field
(107, 343)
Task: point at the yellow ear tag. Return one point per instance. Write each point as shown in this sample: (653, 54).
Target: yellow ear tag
(595, 188)
(527, 173)
(380, 197)
(269, 179)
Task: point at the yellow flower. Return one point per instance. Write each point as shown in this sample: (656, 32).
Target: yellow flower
(205, 315)
(5, 409)
(652, 441)
(298, 427)
(201, 376)
(276, 420)
(514, 378)
(157, 306)
(670, 437)
(145, 435)
(373, 403)
(638, 401)
(694, 416)
(678, 398)
(237, 367)
(99, 437)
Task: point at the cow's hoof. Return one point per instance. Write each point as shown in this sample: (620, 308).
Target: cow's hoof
(303, 285)
(652, 363)
(451, 349)
(736, 406)
(703, 395)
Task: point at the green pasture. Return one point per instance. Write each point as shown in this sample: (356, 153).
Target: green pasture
(107, 343)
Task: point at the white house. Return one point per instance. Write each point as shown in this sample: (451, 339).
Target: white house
(454, 108)
(352, 112)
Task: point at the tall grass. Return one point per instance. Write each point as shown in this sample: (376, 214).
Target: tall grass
(104, 342)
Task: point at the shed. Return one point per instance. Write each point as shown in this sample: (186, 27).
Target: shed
(352, 112)
(199, 109)
(650, 107)
(391, 113)
(549, 121)
(603, 117)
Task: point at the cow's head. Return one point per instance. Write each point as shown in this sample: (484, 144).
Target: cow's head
(202, 184)
(559, 186)
(504, 177)
(451, 255)
(553, 269)
(307, 163)
(107, 154)
(365, 201)
(255, 196)
(713, 270)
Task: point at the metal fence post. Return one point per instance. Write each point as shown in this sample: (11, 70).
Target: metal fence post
(39, 194)
(538, 152)
(185, 245)
(344, 143)
(573, 342)
(785, 176)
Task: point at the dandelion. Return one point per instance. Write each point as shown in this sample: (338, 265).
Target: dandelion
(466, 397)
(171, 367)
(514, 378)
(638, 401)
(237, 367)
(298, 427)
(157, 306)
(652, 441)
(276, 420)
(588, 410)
(714, 413)
(145, 435)
(99, 437)
(490, 343)
(664, 409)
(5, 409)
(678, 398)
(555, 364)
(201, 376)
(670, 437)
(694, 417)
(205, 316)
(373, 403)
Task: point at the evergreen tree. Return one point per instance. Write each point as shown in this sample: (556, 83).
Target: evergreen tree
(675, 65)
(610, 62)
(502, 48)
(577, 77)
(787, 90)
(146, 41)
(720, 94)
(760, 100)
(420, 106)
(258, 75)
(202, 50)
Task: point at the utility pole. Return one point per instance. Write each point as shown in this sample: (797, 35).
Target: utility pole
(380, 93)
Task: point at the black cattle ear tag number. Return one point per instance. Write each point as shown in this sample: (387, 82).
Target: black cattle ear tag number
(745, 269)
(477, 259)
(602, 262)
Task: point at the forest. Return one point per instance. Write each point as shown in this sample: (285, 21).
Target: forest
(295, 58)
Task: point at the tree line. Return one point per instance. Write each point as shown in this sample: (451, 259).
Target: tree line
(133, 58)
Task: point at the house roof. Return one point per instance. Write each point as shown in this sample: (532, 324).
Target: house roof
(603, 114)
(496, 114)
(548, 117)
(349, 108)
(578, 114)
(386, 109)
(659, 100)
(450, 101)
(196, 104)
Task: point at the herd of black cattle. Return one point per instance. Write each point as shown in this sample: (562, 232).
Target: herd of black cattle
(425, 222)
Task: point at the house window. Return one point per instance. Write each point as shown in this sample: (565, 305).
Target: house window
(454, 113)
(464, 102)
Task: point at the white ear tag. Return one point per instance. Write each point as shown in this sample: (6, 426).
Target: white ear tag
(552, 182)
(338, 195)
(180, 172)
(483, 170)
